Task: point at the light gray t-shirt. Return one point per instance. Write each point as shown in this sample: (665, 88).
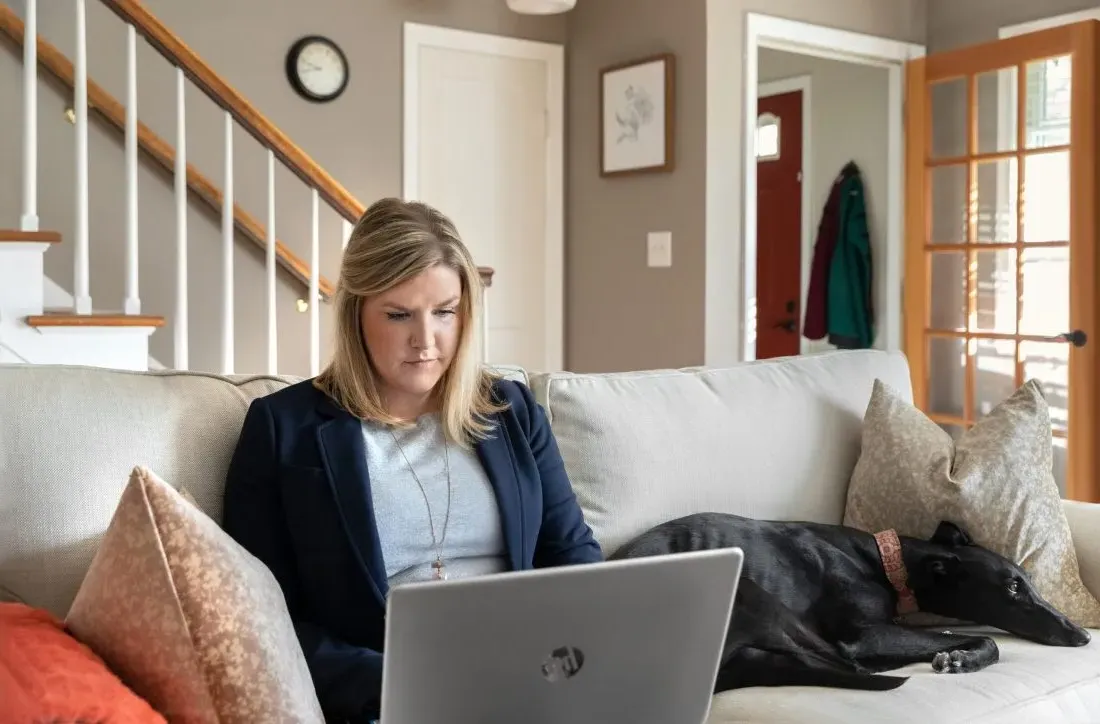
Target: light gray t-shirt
(474, 541)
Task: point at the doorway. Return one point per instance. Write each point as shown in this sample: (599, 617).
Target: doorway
(783, 146)
(1001, 257)
(483, 143)
(845, 147)
(767, 34)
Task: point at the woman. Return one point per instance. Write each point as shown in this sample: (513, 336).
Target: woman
(403, 460)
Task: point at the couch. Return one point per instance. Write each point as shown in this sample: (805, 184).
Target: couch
(772, 439)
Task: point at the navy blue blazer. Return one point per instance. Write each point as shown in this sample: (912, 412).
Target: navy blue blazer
(297, 496)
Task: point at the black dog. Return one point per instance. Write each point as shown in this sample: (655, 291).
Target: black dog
(815, 605)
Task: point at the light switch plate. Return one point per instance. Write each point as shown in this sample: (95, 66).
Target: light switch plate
(659, 248)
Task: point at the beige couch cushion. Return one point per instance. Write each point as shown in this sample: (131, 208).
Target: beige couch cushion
(773, 439)
(1084, 526)
(1031, 684)
(69, 437)
(189, 619)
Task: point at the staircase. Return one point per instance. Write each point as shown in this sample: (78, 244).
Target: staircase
(32, 328)
(28, 333)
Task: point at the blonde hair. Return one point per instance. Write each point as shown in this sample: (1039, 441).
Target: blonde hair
(392, 242)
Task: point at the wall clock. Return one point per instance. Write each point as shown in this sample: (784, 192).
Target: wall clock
(317, 69)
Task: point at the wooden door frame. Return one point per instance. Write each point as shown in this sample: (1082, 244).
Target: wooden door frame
(766, 31)
(418, 36)
(804, 84)
(1083, 41)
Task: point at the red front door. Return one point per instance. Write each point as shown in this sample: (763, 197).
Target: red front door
(779, 225)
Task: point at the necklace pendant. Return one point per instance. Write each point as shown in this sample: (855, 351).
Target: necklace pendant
(439, 573)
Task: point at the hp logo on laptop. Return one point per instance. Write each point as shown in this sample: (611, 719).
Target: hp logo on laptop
(562, 663)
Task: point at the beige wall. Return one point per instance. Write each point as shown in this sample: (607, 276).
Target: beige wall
(622, 314)
(357, 139)
(848, 114)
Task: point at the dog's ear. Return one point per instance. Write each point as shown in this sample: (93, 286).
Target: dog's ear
(950, 535)
(941, 569)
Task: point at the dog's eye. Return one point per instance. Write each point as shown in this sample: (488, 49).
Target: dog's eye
(1013, 587)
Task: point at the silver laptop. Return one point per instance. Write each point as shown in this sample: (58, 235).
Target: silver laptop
(636, 641)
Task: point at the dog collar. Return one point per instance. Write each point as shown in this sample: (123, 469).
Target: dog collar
(889, 549)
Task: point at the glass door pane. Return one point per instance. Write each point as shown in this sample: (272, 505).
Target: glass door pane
(1003, 207)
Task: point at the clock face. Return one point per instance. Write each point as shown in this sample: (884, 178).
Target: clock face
(317, 68)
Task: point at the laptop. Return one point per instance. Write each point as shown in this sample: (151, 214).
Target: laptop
(636, 641)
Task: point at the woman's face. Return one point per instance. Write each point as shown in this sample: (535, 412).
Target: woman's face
(411, 333)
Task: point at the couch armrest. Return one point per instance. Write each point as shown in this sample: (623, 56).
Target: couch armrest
(1084, 525)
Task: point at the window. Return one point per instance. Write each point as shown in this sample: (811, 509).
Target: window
(1048, 102)
(767, 137)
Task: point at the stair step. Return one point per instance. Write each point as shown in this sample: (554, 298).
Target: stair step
(37, 237)
(99, 319)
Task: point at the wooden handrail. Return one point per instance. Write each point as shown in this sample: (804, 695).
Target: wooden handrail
(108, 108)
(169, 45)
(269, 136)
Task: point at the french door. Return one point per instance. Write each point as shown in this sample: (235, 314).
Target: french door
(1001, 226)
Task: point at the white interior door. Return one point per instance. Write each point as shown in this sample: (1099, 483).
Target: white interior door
(482, 144)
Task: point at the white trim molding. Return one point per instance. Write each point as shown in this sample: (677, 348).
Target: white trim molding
(1011, 31)
(731, 313)
(803, 83)
(417, 36)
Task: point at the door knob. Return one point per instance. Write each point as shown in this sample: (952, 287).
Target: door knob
(787, 324)
(1077, 338)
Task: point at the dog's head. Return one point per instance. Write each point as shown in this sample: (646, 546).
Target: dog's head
(956, 578)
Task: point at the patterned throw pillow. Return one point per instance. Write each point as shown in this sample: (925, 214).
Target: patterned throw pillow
(995, 481)
(188, 618)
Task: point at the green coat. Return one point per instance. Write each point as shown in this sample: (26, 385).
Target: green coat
(850, 310)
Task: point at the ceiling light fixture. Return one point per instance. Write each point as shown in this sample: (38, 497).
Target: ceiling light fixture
(541, 7)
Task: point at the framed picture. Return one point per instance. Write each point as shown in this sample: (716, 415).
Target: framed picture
(637, 103)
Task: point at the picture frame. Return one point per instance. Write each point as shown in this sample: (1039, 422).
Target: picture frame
(637, 116)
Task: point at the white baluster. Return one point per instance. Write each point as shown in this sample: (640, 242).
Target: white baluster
(82, 299)
(314, 296)
(132, 303)
(180, 322)
(345, 230)
(272, 316)
(227, 252)
(29, 222)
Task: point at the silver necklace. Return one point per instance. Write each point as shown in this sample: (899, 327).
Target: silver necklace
(439, 571)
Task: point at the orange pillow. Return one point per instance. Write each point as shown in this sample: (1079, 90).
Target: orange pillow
(47, 675)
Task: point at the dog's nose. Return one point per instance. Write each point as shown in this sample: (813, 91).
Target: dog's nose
(1081, 637)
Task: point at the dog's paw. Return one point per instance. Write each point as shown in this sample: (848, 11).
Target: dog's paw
(948, 662)
(955, 662)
